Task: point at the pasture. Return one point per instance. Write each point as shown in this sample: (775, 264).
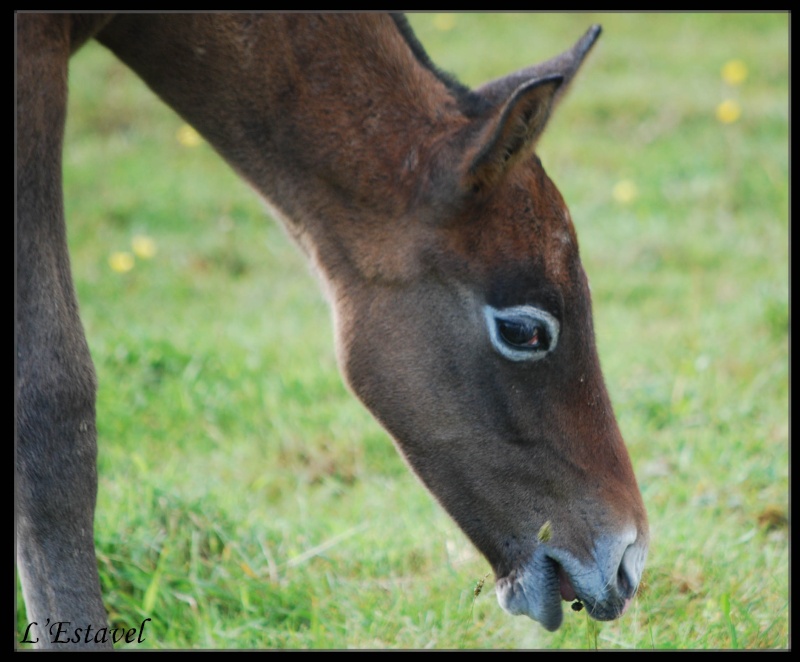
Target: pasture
(247, 500)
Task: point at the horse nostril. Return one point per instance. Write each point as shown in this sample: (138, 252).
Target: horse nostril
(624, 581)
(628, 572)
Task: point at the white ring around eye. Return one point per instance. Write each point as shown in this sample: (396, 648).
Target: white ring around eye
(520, 314)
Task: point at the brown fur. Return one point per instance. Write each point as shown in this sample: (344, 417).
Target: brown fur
(416, 213)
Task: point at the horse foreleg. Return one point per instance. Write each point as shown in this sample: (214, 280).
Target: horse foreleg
(56, 480)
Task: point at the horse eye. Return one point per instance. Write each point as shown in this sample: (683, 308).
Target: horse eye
(522, 333)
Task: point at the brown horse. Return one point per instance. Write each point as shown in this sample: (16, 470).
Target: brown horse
(462, 312)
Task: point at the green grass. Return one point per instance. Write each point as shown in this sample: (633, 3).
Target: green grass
(247, 500)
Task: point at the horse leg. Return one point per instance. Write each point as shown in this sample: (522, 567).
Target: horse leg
(56, 483)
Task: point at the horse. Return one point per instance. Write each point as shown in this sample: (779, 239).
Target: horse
(461, 310)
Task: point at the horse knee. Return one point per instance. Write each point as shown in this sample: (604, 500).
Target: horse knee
(57, 441)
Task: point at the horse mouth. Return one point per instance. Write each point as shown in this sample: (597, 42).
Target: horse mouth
(539, 589)
(565, 586)
(570, 594)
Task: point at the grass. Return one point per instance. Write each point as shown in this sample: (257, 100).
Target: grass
(247, 500)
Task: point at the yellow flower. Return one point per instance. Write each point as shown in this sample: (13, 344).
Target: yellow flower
(121, 261)
(734, 72)
(728, 111)
(624, 191)
(444, 22)
(247, 570)
(144, 247)
(188, 137)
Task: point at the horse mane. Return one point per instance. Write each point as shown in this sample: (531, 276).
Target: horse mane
(470, 103)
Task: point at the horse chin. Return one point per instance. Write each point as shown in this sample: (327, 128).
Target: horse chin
(535, 590)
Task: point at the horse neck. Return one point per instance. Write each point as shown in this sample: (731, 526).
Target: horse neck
(330, 117)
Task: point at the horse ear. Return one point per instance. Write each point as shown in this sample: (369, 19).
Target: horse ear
(565, 65)
(522, 104)
(511, 132)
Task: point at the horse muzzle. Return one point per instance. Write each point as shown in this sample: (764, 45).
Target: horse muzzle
(605, 583)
